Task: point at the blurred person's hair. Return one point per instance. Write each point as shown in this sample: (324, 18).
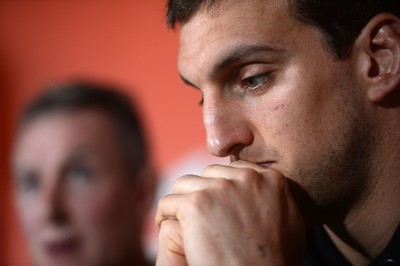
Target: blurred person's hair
(77, 96)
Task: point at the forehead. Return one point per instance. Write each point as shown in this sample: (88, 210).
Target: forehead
(58, 133)
(69, 121)
(228, 24)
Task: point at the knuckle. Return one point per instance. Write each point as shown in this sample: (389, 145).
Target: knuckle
(163, 201)
(248, 175)
(197, 198)
(209, 169)
(177, 183)
(222, 184)
(196, 203)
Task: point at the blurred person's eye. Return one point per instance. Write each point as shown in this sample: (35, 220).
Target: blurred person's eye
(78, 175)
(29, 182)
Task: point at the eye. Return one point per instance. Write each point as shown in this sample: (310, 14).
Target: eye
(254, 82)
(29, 183)
(78, 175)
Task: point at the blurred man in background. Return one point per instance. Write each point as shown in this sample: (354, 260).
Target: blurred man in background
(84, 182)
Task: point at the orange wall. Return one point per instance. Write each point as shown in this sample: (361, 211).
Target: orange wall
(122, 41)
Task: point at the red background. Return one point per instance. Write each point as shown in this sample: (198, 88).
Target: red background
(120, 41)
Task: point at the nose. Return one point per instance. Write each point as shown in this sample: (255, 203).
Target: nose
(53, 204)
(227, 129)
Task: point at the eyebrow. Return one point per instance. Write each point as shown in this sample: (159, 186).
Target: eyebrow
(235, 55)
(239, 53)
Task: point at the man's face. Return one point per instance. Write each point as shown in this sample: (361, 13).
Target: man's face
(273, 95)
(77, 204)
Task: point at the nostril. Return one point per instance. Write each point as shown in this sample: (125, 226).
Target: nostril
(234, 151)
(56, 211)
(58, 216)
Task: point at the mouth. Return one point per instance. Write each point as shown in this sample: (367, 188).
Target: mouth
(266, 164)
(59, 249)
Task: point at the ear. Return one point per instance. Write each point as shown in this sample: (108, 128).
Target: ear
(378, 47)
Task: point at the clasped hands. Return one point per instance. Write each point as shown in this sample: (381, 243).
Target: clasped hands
(236, 214)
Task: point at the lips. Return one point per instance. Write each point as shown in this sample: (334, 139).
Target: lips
(266, 164)
(263, 163)
(62, 248)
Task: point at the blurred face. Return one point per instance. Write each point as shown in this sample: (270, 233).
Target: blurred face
(273, 95)
(76, 201)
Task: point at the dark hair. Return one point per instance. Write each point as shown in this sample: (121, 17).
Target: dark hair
(84, 95)
(339, 21)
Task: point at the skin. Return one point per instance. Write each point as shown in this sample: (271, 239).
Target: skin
(278, 123)
(289, 114)
(77, 202)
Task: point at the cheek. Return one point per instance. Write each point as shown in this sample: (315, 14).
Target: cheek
(289, 122)
(94, 211)
(280, 120)
(31, 217)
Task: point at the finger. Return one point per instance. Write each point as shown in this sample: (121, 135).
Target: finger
(170, 245)
(218, 171)
(237, 170)
(265, 171)
(191, 183)
(245, 164)
(168, 208)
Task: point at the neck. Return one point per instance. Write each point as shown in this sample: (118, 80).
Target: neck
(370, 224)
